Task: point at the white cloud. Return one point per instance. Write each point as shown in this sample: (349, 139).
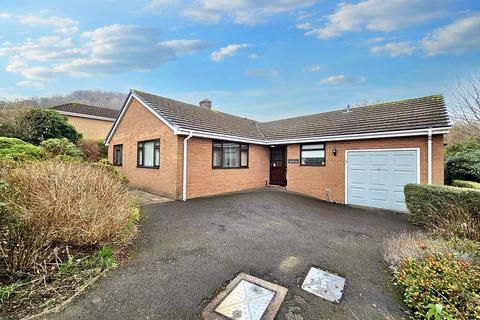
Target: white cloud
(30, 84)
(304, 26)
(342, 79)
(107, 50)
(376, 40)
(5, 15)
(229, 50)
(458, 37)
(18, 65)
(379, 15)
(60, 25)
(314, 68)
(261, 73)
(394, 49)
(155, 4)
(253, 56)
(119, 48)
(42, 49)
(244, 12)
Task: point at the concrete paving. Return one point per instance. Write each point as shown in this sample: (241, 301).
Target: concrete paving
(189, 250)
(148, 198)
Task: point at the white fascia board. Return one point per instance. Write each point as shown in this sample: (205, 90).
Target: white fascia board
(124, 108)
(202, 134)
(168, 124)
(83, 115)
(376, 135)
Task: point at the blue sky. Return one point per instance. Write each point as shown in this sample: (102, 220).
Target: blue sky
(263, 59)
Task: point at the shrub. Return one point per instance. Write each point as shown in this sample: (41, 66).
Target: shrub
(463, 166)
(55, 147)
(92, 150)
(106, 165)
(441, 278)
(450, 211)
(399, 247)
(17, 150)
(466, 184)
(52, 203)
(36, 125)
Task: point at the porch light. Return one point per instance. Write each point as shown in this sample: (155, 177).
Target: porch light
(334, 151)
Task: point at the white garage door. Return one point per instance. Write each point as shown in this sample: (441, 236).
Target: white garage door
(375, 178)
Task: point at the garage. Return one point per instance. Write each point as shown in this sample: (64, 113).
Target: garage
(375, 178)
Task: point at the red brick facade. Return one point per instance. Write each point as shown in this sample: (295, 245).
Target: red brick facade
(140, 124)
(314, 180)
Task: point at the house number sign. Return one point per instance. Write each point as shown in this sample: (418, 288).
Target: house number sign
(294, 161)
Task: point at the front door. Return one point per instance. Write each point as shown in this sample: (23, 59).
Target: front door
(278, 166)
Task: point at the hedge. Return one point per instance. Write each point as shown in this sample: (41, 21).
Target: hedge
(16, 149)
(450, 210)
(463, 166)
(466, 184)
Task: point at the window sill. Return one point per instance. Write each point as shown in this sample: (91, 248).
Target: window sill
(312, 165)
(145, 167)
(118, 165)
(228, 168)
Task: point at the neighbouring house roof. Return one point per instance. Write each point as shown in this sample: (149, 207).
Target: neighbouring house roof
(86, 111)
(400, 116)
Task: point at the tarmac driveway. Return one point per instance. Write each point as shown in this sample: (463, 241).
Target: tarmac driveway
(189, 250)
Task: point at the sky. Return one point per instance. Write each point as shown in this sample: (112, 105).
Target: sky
(261, 59)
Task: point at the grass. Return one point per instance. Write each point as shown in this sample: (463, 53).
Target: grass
(8, 290)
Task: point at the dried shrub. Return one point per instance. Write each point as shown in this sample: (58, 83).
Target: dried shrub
(92, 150)
(401, 246)
(52, 204)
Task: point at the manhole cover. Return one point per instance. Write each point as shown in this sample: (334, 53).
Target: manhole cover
(246, 297)
(323, 284)
(246, 302)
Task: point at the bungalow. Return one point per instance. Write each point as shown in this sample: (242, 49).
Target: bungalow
(91, 121)
(360, 156)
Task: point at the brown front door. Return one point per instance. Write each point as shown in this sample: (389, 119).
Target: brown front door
(278, 166)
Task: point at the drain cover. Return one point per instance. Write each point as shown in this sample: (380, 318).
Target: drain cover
(247, 298)
(246, 302)
(323, 284)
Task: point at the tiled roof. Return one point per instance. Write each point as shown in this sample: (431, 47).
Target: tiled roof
(87, 110)
(190, 117)
(418, 113)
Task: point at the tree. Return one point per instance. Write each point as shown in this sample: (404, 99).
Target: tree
(35, 125)
(45, 124)
(466, 108)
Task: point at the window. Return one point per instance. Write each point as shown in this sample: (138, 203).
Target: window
(117, 154)
(148, 154)
(229, 155)
(312, 154)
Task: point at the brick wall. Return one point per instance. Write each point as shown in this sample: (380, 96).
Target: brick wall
(140, 124)
(314, 180)
(91, 128)
(202, 180)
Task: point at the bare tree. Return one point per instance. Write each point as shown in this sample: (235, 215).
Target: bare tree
(466, 107)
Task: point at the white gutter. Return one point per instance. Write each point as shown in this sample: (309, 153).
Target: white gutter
(184, 176)
(83, 115)
(376, 135)
(429, 156)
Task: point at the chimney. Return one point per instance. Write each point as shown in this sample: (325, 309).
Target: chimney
(348, 108)
(206, 104)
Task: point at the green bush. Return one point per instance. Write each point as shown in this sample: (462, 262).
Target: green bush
(60, 147)
(36, 125)
(18, 150)
(450, 211)
(463, 166)
(443, 279)
(466, 184)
